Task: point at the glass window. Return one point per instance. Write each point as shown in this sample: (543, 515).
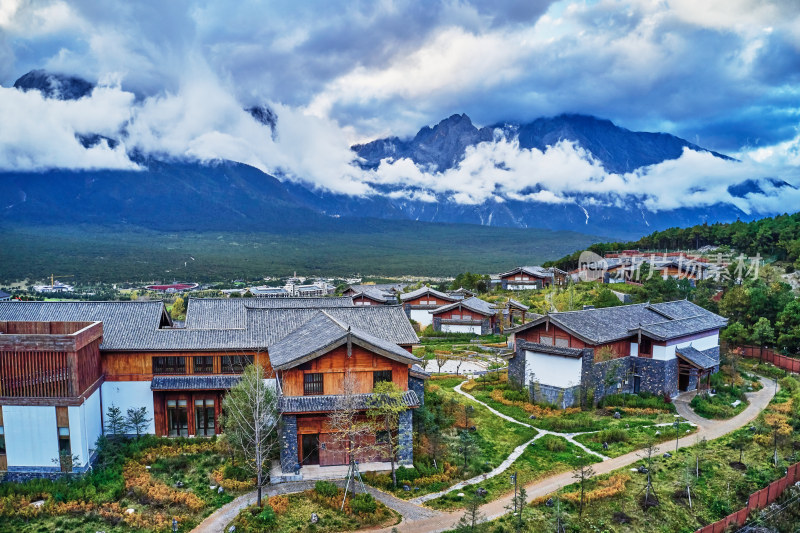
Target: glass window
(562, 341)
(235, 364)
(546, 340)
(455, 316)
(177, 418)
(2, 441)
(467, 317)
(64, 447)
(169, 365)
(204, 417)
(312, 384)
(203, 364)
(381, 375)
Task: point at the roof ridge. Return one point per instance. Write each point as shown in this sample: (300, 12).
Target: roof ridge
(336, 321)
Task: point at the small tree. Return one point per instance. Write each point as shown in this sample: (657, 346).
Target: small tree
(763, 333)
(384, 408)
(459, 362)
(472, 518)
(66, 461)
(648, 454)
(115, 421)
(465, 446)
(740, 443)
(178, 308)
(699, 452)
(137, 420)
(441, 359)
(582, 474)
(251, 421)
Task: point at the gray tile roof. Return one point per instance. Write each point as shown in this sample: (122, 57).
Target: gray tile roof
(385, 287)
(377, 294)
(193, 382)
(321, 333)
(418, 371)
(519, 305)
(537, 271)
(229, 313)
(473, 304)
(700, 359)
(4, 294)
(599, 326)
(327, 402)
(125, 324)
(422, 291)
(552, 350)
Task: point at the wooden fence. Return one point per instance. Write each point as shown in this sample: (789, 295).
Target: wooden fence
(758, 500)
(767, 355)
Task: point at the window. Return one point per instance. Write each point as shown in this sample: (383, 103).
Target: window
(235, 364)
(2, 440)
(177, 418)
(562, 342)
(204, 417)
(455, 316)
(646, 347)
(381, 375)
(312, 384)
(64, 447)
(203, 364)
(466, 317)
(545, 340)
(169, 365)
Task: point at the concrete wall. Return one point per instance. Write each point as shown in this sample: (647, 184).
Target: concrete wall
(553, 370)
(130, 394)
(31, 436)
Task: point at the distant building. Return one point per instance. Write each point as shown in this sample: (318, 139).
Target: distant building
(269, 292)
(532, 277)
(172, 287)
(4, 296)
(471, 315)
(56, 287)
(418, 304)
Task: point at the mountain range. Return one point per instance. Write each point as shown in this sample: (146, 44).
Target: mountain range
(173, 195)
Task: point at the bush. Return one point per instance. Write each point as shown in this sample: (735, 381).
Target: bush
(268, 517)
(555, 444)
(405, 473)
(363, 504)
(515, 395)
(236, 473)
(643, 400)
(326, 489)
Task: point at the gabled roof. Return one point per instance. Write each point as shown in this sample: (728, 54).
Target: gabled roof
(473, 304)
(229, 313)
(385, 287)
(322, 333)
(519, 305)
(125, 324)
(599, 326)
(327, 402)
(376, 294)
(551, 350)
(422, 291)
(703, 360)
(418, 372)
(536, 271)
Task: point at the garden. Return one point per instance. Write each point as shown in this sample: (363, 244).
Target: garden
(317, 510)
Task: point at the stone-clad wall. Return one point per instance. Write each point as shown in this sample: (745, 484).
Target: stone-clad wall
(560, 397)
(605, 376)
(437, 323)
(658, 377)
(516, 368)
(288, 443)
(405, 454)
(418, 386)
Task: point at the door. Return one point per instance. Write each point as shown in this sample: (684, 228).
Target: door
(177, 418)
(309, 449)
(637, 380)
(204, 417)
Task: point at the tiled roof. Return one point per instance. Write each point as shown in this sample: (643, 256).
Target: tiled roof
(327, 402)
(537, 271)
(703, 360)
(418, 371)
(552, 350)
(473, 304)
(194, 382)
(376, 294)
(229, 313)
(125, 324)
(4, 294)
(519, 305)
(608, 324)
(385, 287)
(321, 333)
(422, 291)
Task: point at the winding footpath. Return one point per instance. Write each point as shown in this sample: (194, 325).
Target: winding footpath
(418, 519)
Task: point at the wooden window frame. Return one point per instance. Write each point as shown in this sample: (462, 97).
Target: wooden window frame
(169, 364)
(205, 365)
(379, 376)
(235, 364)
(313, 384)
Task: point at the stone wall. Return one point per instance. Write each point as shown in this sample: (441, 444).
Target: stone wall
(405, 453)
(516, 368)
(657, 377)
(437, 323)
(606, 375)
(560, 397)
(288, 443)
(418, 386)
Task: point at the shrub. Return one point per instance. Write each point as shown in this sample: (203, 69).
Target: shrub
(236, 473)
(280, 504)
(555, 444)
(515, 395)
(606, 488)
(363, 504)
(268, 517)
(326, 489)
(612, 435)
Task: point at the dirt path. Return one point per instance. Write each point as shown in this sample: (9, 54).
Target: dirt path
(710, 429)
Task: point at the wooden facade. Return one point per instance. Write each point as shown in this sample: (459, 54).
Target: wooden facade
(552, 335)
(138, 366)
(333, 365)
(195, 423)
(317, 444)
(429, 300)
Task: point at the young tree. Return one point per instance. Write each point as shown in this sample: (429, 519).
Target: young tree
(740, 443)
(441, 359)
(582, 474)
(465, 445)
(518, 507)
(178, 308)
(137, 420)
(648, 454)
(251, 421)
(384, 408)
(459, 362)
(348, 426)
(699, 452)
(472, 519)
(781, 429)
(115, 421)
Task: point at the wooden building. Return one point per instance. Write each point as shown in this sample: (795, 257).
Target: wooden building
(418, 304)
(532, 278)
(471, 315)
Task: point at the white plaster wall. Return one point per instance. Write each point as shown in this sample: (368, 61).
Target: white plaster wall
(422, 316)
(31, 435)
(634, 349)
(520, 287)
(461, 328)
(663, 353)
(552, 370)
(129, 394)
(703, 343)
(85, 427)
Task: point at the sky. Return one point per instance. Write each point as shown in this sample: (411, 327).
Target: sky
(173, 79)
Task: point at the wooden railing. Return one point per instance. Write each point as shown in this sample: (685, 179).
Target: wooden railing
(768, 355)
(758, 500)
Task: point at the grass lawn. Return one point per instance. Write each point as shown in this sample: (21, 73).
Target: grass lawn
(548, 456)
(621, 441)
